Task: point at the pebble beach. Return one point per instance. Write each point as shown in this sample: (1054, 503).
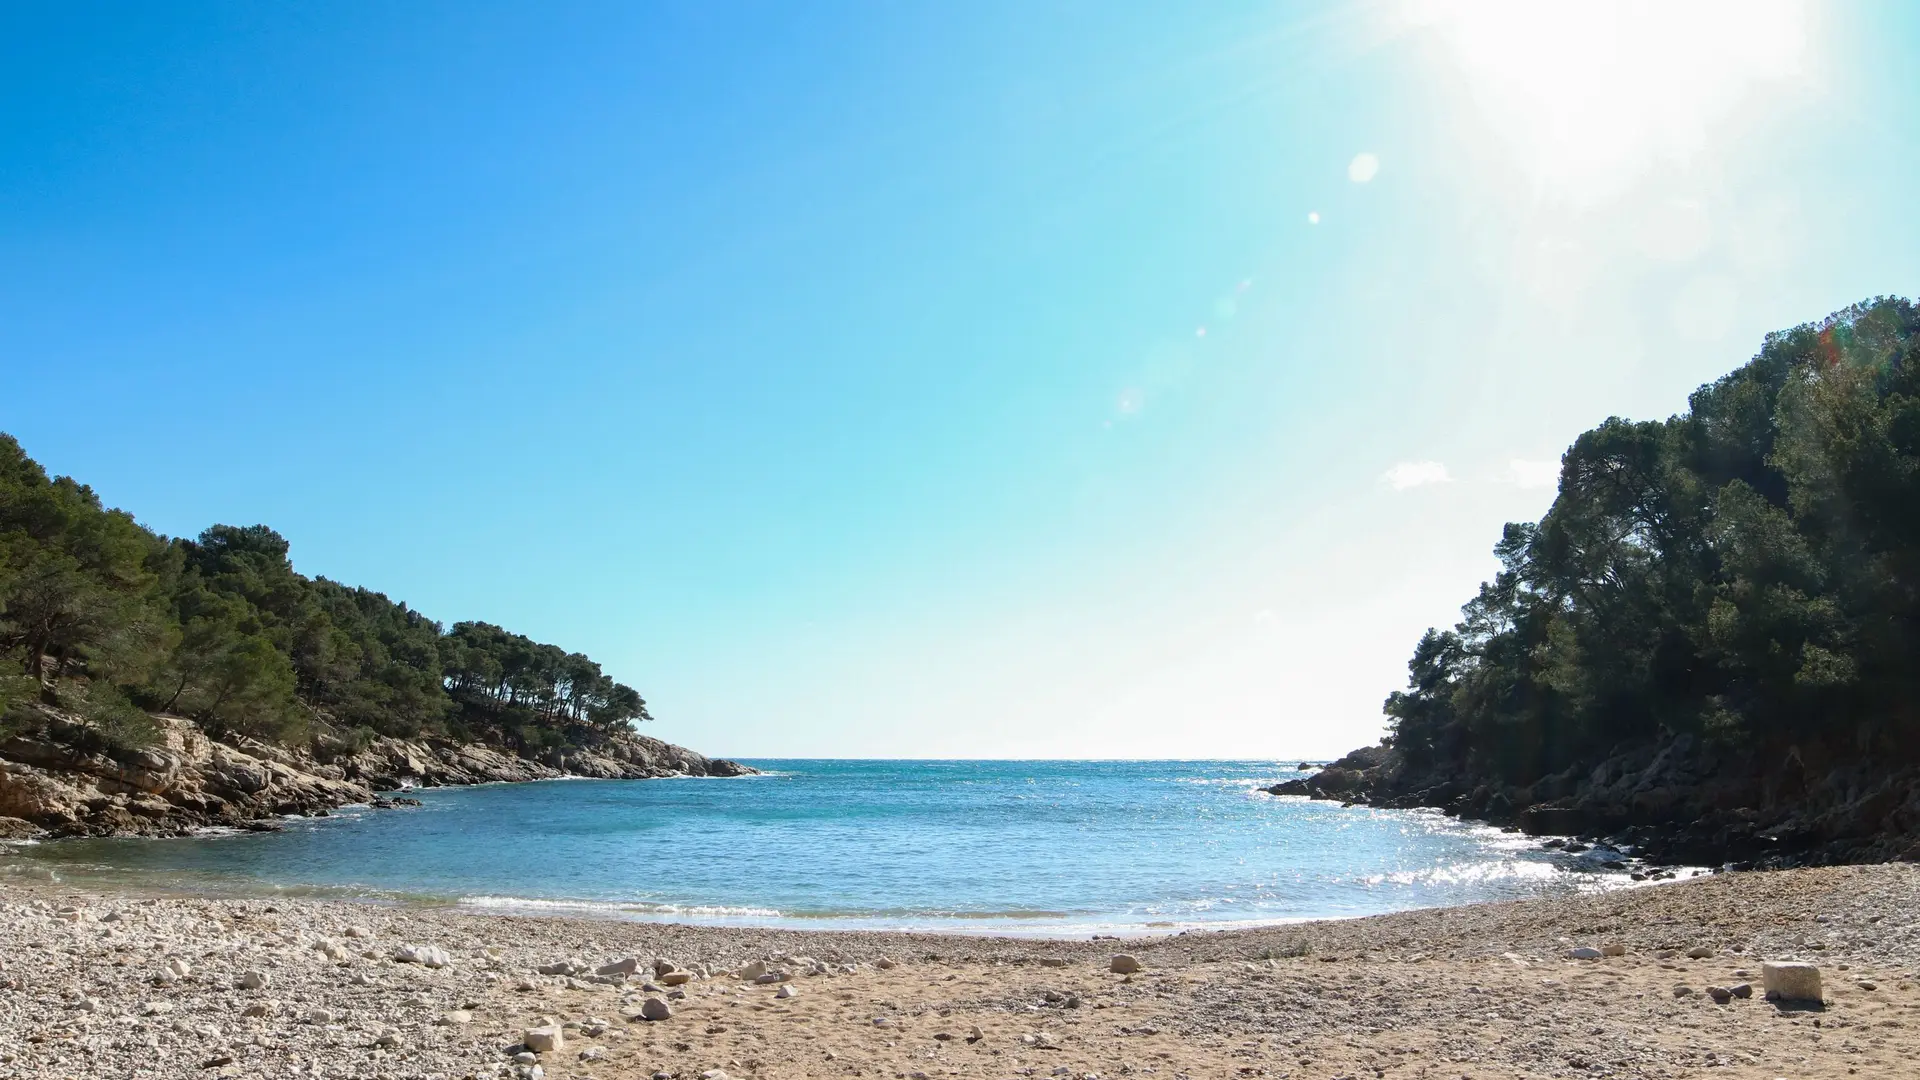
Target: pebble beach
(1656, 981)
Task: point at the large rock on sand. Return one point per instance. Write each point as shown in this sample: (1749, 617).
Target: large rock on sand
(1791, 980)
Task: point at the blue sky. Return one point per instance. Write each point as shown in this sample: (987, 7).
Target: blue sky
(909, 379)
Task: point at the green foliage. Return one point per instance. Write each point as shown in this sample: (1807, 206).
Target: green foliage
(108, 620)
(1744, 572)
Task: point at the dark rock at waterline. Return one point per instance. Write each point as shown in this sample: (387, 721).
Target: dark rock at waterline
(1677, 801)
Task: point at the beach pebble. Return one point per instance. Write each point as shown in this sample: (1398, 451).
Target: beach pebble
(675, 978)
(455, 1018)
(1791, 980)
(655, 1009)
(1053, 962)
(786, 992)
(543, 1040)
(1682, 990)
(884, 963)
(1699, 952)
(752, 972)
(1741, 990)
(262, 1009)
(1124, 964)
(179, 969)
(322, 1016)
(1584, 953)
(619, 967)
(359, 932)
(251, 980)
(1613, 949)
(1720, 994)
(560, 967)
(425, 955)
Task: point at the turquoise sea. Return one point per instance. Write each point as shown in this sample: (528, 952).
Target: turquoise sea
(1042, 847)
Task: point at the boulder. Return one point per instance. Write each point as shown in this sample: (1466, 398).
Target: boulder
(1791, 980)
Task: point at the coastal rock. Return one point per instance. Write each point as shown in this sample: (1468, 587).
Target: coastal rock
(50, 784)
(1791, 980)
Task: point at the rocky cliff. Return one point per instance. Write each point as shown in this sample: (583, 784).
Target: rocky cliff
(1678, 801)
(52, 786)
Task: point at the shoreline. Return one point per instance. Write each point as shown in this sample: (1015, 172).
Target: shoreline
(304, 987)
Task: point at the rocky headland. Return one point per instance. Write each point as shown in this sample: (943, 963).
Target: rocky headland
(52, 786)
(1674, 802)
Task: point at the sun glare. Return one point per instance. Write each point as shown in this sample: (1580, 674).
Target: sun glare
(1588, 94)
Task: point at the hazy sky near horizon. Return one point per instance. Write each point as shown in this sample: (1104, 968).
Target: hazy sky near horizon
(981, 380)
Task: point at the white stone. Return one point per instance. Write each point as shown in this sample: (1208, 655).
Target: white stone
(786, 992)
(753, 971)
(544, 1039)
(619, 967)
(425, 955)
(1791, 980)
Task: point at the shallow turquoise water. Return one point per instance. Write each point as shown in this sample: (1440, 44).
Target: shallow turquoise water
(1045, 847)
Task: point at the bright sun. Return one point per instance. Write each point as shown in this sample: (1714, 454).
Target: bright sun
(1588, 94)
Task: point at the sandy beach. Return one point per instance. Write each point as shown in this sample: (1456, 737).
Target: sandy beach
(100, 984)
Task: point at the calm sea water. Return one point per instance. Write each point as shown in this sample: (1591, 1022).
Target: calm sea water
(1048, 847)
